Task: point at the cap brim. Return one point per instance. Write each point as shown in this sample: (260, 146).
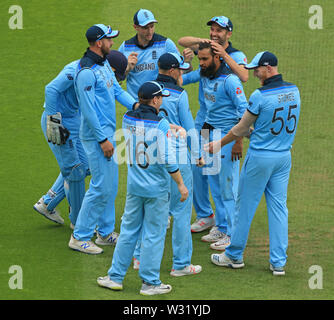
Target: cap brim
(226, 27)
(184, 66)
(148, 22)
(113, 34)
(250, 66)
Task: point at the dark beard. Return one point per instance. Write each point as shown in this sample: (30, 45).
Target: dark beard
(209, 71)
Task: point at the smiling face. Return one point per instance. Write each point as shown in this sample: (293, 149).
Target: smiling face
(219, 34)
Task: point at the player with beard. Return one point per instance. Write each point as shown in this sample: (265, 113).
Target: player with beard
(220, 33)
(97, 88)
(225, 102)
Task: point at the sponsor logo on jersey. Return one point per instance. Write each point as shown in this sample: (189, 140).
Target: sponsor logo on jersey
(144, 67)
(210, 97)
(154, 55)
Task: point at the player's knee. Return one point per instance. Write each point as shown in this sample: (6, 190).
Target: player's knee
(77, 173)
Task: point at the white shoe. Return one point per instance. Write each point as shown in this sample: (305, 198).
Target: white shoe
(54, 215)
(136, 264)
(188, 270)
(221, 244)
(213, 236)
(84, 246)
(203, 224)
(223, 261)
(106, 282)
(277, 271)
(150, 290)
(109, 240)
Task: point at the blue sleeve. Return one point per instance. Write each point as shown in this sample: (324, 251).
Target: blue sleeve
(122, 96)
(239, 57)
(61, 83)
(255, 103)
(236, 92)
(85, 88)
(191, 77)
(187, 122)
(121, 48)
(166, 152)
(171, 47)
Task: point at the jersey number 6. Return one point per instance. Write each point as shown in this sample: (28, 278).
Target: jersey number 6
(139, 151)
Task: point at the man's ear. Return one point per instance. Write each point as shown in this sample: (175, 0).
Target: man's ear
(98, 43)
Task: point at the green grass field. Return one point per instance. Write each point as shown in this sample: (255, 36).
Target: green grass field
(52, 36)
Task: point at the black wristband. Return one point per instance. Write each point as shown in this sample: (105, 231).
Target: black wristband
(103, 140)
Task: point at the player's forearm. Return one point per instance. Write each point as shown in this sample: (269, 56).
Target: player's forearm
(177, 177)
(189, 42)
(228, 138)
(124, 98)
(242, 129)
(237, 69)
(89, 114)
(51, 98)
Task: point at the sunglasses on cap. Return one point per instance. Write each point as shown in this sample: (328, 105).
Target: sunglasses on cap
(109, 30)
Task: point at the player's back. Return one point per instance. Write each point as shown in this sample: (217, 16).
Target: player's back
(277, 105)
(147, 150)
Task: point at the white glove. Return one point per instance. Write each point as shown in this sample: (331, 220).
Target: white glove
(55, 131)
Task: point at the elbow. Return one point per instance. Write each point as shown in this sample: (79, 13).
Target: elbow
(49, 91)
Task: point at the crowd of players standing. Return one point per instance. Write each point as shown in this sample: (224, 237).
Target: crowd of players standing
(79, 123)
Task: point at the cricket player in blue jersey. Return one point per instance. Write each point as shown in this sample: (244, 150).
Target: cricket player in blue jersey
(143, 51)
(151, 163)
(175, 109)
(97, 88)
(226, 102)
(220, 32)
(274, 111)
(60, 124)
(60, 97)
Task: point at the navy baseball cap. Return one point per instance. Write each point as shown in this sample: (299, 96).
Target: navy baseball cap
(151, 89)
(100, 31)
(264, 58)
(119, 62)
(143, 17)
(171, 60)
(222, 21)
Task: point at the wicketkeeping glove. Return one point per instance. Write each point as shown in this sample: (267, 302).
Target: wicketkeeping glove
(55, 131)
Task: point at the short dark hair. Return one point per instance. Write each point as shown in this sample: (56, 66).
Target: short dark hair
(205, 45)
(144, 101)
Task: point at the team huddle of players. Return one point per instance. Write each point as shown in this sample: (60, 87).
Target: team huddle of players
(173, 160)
